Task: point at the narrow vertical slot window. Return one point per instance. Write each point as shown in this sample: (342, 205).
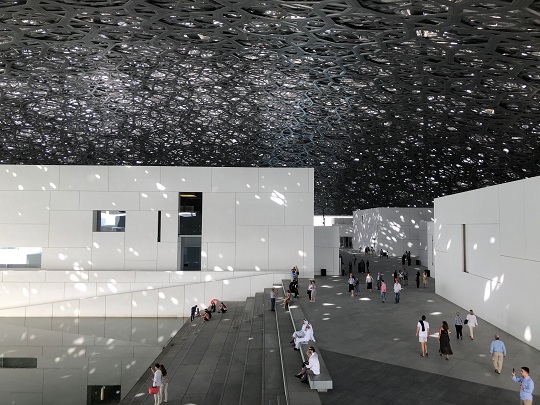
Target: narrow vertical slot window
(464, 233)
(159, 226)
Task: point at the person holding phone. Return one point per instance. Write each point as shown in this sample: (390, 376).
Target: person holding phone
(526, 386)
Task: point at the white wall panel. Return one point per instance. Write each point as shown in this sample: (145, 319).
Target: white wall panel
(108, 251)
(326, 236)
(72, 386)
(235, 289)
(35, 177)
(219, 217)
(24, 207)
(185, 277)
(140, 265)
(221, 256)
(483, 250)
(284, 180)
(66, 258)
(65, 200)
(84, 178)
(24, 235)
(118, 201)
(70, 228)
(41, 337)
(167, 256)
(260, 282)
(532, 214)
(42, 310)
(19, 276)
(235, 179)
(194, 295)
(118, 305)
(324, 259)
(65, 308)
(92, 307)
(158, 201)
(512, 218)
(309, 251)
(134, 178)
(171, 301)
(33, 380)
(46, 292)
(252, 248)
(169, 226)
(79, 290)
(112, 276)
(298, 208)
(286, 248)
(259, 209)
(151, 277)
(144, 303)
(141, 235)
(112, 287)
(66, 276)
(187, 179)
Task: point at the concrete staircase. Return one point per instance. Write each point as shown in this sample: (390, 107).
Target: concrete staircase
(233, 359)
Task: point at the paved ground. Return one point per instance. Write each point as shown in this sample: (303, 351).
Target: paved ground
(374, 357)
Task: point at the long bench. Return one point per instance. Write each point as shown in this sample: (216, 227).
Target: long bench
(323, 381)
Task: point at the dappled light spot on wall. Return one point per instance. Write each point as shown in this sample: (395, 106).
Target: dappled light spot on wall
(81, 287)
(61, 256)
(209, 277)
(230, 268)
(203, 253)
(527, 335)
(161, 295)
(475, 246)
(20, 187)
(52, 185)
(257, 197)
(487, 291)
(278, 198)
(174, 300)
(226, 282)
(112, 288)
(492, 240)
(409, 244)
(95, 244)
(160, 187)
(257, 268)
(134, 303)
(449, 244)
(263, 239)
(301, 253)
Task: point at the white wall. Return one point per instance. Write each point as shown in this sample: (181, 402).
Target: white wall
(395, 230)
(255, 220)
(327, 250)
(500, 226)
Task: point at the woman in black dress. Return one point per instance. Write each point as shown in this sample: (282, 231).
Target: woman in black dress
(444, 340)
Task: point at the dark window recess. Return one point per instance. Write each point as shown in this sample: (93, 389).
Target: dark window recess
(103, 394)
(190, 214)
(159, 226)
(18, 362)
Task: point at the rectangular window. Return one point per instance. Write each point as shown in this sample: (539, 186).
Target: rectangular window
(190, 214)
(159, 226)
(109, 221)
(190, 253)
(18, 362)
(20, 257)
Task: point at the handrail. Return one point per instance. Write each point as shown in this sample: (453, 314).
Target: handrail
(286, 391)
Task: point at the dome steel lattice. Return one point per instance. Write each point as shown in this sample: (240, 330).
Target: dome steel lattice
(393, 102)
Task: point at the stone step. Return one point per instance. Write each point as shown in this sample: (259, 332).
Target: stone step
(253, 372)
(232, 392)
(272, 371)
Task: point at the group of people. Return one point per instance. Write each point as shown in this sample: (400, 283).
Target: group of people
(497, 349)
(292, 293)
(406, 257)
(312, 365)
(160, 381)
(207, 315)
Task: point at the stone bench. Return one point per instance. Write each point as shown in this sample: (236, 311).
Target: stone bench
(323, 381)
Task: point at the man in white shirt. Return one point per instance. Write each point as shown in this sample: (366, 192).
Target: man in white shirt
(312, 366)
(308, 335)
(301, 332)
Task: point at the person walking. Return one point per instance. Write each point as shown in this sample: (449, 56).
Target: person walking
(351, 284)
(498, 353)
(418, 279)
(383, 291)
(379, 279)
(369, 282)
(309, 290)
(397, 291)
(356, 286)
(526, 386)
(444, 341)
(472, 323)
(458, 323)
(313, 291)
(422, 333)
(424, 279)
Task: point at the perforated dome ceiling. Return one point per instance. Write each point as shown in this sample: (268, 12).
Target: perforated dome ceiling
(393, 102)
